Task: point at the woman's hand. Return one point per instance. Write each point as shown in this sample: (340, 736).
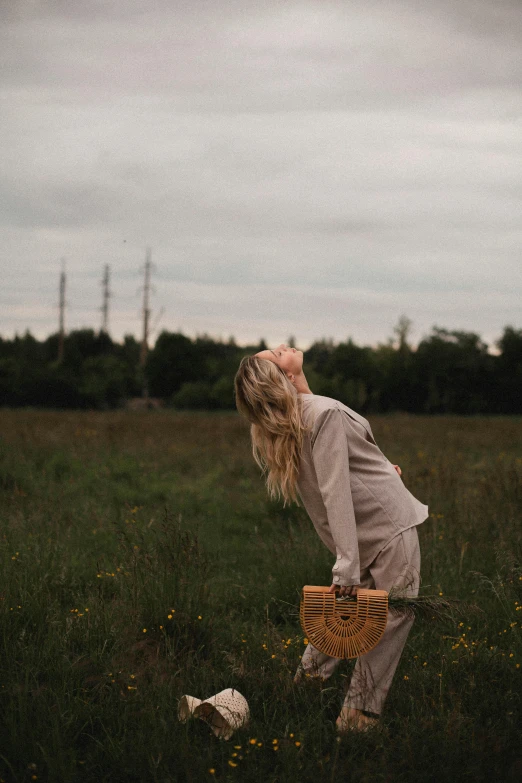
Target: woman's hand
(350, 590)
(397, 468)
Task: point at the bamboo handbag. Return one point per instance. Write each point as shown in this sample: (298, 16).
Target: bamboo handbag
(343, 628)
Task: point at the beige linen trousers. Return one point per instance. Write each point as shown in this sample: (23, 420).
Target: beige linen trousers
(366, 517)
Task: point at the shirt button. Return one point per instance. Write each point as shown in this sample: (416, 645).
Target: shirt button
(337, 578)
(336, 567)
(339, 557)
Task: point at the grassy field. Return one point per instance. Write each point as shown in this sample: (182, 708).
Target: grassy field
(141, 560)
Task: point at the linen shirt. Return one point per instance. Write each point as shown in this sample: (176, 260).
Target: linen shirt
(350, 490)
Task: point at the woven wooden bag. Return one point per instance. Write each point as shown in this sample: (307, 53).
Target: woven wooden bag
(343, 628)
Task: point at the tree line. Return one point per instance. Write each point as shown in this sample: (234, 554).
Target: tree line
(450, 371)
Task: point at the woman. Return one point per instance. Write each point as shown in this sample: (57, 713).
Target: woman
(323, 451)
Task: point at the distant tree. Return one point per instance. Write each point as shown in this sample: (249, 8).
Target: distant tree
(352, 369)
(449, 372)
(57, 387)
(25, 383)
(103, 382)
(318, 355)
(508, 396)
(8, 379)
(129, 354)
(195, 395)
(173, 361)
(402, 330)
(83, 344)
(50, 348)
(454, 372)
(396, 388)
(28, 349)
(223, 393)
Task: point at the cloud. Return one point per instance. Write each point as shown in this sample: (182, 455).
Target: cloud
(367, 149)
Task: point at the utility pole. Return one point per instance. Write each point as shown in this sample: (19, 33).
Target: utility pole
(106, 297)
(146, 310)
(61, 328)
(146, 323)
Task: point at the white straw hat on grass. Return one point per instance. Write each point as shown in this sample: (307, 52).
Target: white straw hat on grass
(225, 712)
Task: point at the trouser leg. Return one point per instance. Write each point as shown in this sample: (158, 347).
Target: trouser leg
(397, 566)
(318, 664)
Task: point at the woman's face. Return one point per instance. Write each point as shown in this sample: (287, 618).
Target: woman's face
(288, 359)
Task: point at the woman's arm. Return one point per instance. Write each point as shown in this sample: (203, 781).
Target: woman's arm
(331, 462)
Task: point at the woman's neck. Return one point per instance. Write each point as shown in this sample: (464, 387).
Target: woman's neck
(301, 384)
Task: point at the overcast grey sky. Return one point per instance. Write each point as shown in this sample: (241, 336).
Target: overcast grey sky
(306, 168)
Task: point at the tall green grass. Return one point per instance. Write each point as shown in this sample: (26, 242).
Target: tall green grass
(141, 560)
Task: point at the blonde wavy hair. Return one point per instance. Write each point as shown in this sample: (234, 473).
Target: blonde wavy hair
(265, 396)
